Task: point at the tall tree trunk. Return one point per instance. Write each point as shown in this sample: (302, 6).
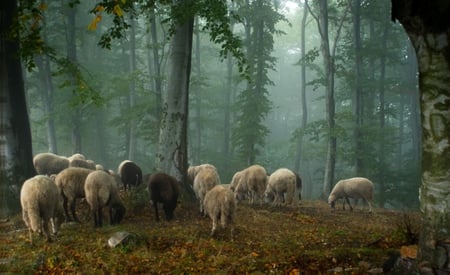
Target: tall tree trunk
(172, 153)
(427, 25)
(304, 108)
(329, 97)
(47, 91)
(132, 92)
(72, 58)
(15, 135)
(157, 69)
(198, 97)
(382, 121)
(358, 94)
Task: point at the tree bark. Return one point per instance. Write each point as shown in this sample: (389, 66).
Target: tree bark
(72, 58)
(172, 155)
(47, 91)
(304, 109)
(329, 97)
(427, 25)
(15, 135)
(358, 93)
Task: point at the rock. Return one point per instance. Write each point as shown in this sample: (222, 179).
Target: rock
(123, 238)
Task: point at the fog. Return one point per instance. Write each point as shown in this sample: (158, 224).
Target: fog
(94, 90)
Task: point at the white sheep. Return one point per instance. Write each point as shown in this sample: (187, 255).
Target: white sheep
(77, 162)
(71, 183)
(41, 203)
(220, 206)
(252, 181)
(282, 182)
(205, 177)
(49, 163)
(356, 188)
(101, 191)
(194, 170)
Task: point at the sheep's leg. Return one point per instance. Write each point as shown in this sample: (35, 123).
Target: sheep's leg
(370, 205)
(100, 216)
(155, 205)
(46, 231)
(72, 209)
(111, 218)
(349, 204)
(214, 226)
(66, 211)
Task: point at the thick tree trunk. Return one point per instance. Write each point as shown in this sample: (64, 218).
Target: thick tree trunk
(172, 155)
(15, 136)
(428, 27)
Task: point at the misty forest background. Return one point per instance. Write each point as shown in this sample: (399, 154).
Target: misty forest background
(106, 103)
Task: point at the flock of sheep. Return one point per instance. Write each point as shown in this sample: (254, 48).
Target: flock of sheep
(48, 197)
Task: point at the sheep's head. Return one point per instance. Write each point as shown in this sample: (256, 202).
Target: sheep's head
(118, 211)
(58, 218)
(332, 200)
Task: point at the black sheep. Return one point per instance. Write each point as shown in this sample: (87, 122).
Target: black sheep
(164, 189)
(130, 174)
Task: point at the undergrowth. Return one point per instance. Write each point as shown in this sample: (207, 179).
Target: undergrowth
(308, 239)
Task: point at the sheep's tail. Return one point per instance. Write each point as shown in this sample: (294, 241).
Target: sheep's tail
(33, 215)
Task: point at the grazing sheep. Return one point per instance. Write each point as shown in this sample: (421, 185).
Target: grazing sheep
(252, 181)
(194, 170)
(77, 156)
(164, 189)
(220, 205)
(282, 181)
(130, 173)
(352, 188)
(235, 180)
(89, 164)
(205, 177)
(101, 190)
(71, 183)
(49, 163)
(41, 203)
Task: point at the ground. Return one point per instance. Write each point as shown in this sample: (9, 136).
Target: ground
(304, 239)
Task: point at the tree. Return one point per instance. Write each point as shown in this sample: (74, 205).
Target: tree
(304, 107)
(172, 155)
(428, 27)
(15, 136)
(328, 55)
(259, 19)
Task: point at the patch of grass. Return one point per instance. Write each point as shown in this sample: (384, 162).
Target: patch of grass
(307, 238)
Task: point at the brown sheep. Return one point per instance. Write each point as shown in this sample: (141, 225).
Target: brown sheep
(101, 191)
(164, 189)
(130, 173)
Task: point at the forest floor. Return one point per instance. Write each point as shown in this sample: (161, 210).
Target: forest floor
(304, 239)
